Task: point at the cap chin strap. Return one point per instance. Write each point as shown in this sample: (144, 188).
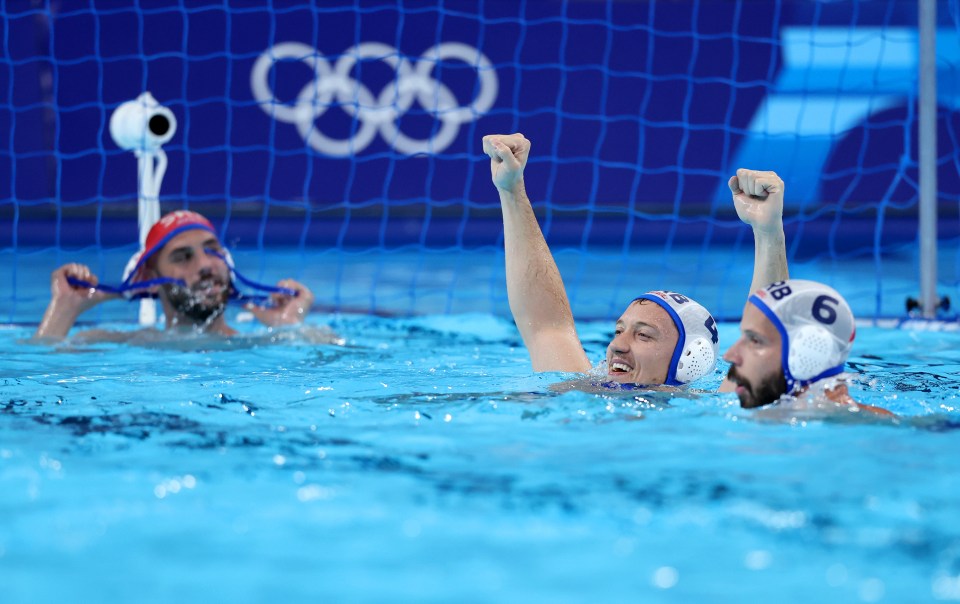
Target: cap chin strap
(138, 289)
(236, 294)
(128, 290)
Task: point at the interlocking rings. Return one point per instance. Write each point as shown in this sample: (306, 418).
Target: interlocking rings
(333, 86)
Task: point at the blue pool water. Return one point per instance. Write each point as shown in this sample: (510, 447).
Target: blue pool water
(421, 460)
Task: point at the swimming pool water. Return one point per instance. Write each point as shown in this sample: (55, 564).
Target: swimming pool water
(423, 461)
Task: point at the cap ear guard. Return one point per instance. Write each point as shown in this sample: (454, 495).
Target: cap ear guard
(697, 360)
(812, 351)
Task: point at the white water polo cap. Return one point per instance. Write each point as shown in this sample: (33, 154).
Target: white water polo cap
(816, 328)
(698, 344)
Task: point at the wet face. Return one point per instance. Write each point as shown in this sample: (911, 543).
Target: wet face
(207, 278)
(756, 365)
(642, 345)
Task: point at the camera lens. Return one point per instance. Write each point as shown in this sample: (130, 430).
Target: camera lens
(159, 125)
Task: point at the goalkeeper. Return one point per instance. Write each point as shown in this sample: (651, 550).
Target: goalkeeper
(185, 266)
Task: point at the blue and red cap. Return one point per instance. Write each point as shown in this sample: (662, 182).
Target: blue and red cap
(136, 285)
(159, 235)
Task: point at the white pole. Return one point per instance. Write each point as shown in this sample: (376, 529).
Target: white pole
(148, 212)
(928, 158)
(143, 126)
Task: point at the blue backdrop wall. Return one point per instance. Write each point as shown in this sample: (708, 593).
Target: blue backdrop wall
(633, 108)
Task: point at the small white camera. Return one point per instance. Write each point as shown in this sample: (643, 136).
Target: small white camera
(142, 124)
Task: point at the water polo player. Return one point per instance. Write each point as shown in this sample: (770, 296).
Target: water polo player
(184, 265)
(661, 338)
(795, 335)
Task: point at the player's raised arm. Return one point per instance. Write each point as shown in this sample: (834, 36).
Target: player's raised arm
(535, 289)
(758, 198)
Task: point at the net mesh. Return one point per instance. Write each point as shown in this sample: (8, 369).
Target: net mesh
(339, 143)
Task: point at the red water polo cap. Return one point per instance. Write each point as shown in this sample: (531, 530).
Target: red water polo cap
(160, 233)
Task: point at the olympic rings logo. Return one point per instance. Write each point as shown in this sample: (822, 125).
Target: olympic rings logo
(333, 86)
